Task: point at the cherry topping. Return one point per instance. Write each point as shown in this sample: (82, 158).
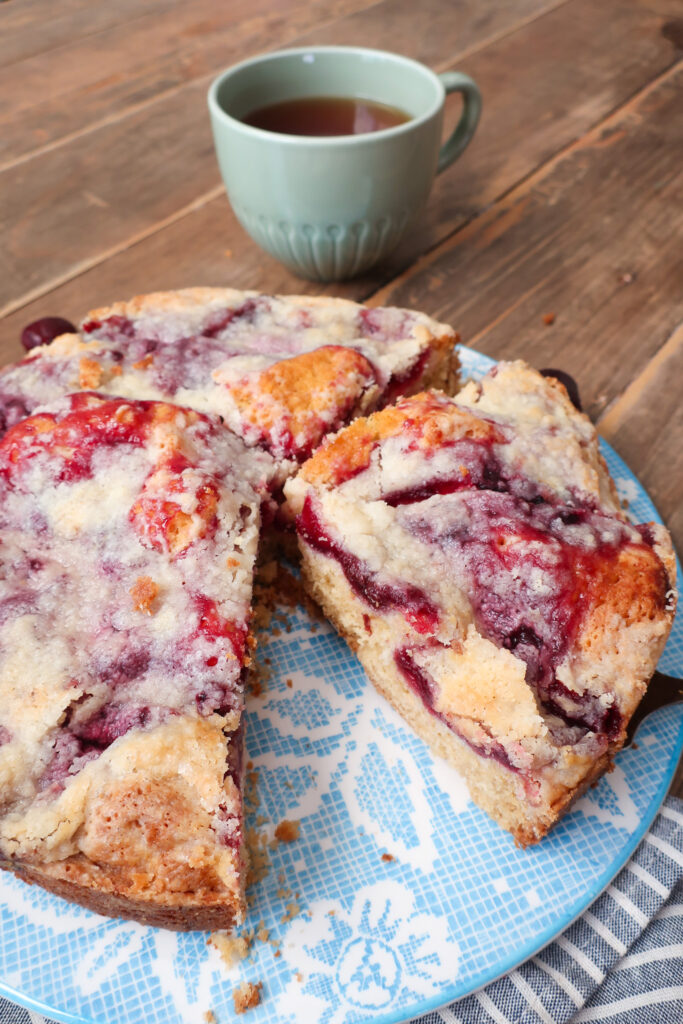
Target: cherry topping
(569, 383)
(45, 330)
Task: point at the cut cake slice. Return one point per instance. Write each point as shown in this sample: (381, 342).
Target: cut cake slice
(128, 541)
(474, 554)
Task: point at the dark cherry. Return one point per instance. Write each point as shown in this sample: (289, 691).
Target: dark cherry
(114, 720)
(45, 330)
(569, 383)
(11, 411)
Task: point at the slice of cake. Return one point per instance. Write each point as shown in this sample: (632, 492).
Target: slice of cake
(129, 534)
(281, 371)
(474, 554)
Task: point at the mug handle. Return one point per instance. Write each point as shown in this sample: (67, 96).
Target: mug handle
(456, 81)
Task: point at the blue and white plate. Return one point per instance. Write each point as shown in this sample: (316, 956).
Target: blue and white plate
(371, 939)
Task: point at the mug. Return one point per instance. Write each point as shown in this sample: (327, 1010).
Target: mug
(330, 207)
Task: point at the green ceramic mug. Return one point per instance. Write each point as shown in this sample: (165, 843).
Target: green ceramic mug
(329, 207)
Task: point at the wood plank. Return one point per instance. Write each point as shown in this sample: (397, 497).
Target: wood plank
(192, 250)
(98, 77)
(35, 26)
(645, 425)
(593, 238)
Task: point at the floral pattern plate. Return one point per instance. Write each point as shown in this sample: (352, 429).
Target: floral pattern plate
(399, 894)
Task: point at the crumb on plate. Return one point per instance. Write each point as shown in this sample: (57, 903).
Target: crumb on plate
(287, 831)
(247, 996)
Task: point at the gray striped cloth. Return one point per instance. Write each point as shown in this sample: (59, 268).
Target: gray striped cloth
(621, 963)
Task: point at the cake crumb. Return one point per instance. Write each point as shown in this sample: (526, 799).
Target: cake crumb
(144, 592)
(210, 1017)
(232, 948)
(263, 934)
(247, 996)
(299, 976)
(290, 683)
(259, 861)
(387, 857)
(549, 319)
(293, 910)
(287, 831)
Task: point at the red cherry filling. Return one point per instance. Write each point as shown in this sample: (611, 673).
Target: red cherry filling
(69, 755)
(527, 567)
(116, 720)
(45, 330)
(383, 324)
(111, 329)
(477, 467)
(404, 382)
(380, 595)
(72, 440)
(218, 322)
(214, 628)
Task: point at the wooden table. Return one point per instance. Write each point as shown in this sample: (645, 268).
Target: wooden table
(558, 237)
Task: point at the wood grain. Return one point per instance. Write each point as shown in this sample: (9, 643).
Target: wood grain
(103, 189)
(100, 77)
(593, 238)
(645, 425)
(33, 27)
(193, 248)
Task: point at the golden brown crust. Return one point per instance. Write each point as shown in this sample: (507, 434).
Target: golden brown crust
(631, 587)
(302, 389)
(67, 880)
(149, 853)
(424, 415)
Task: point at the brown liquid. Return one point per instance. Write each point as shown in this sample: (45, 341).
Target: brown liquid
(326, 115)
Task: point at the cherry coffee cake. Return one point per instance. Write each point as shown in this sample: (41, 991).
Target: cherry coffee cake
(129, 536)
(281, 371)
(473, 552)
